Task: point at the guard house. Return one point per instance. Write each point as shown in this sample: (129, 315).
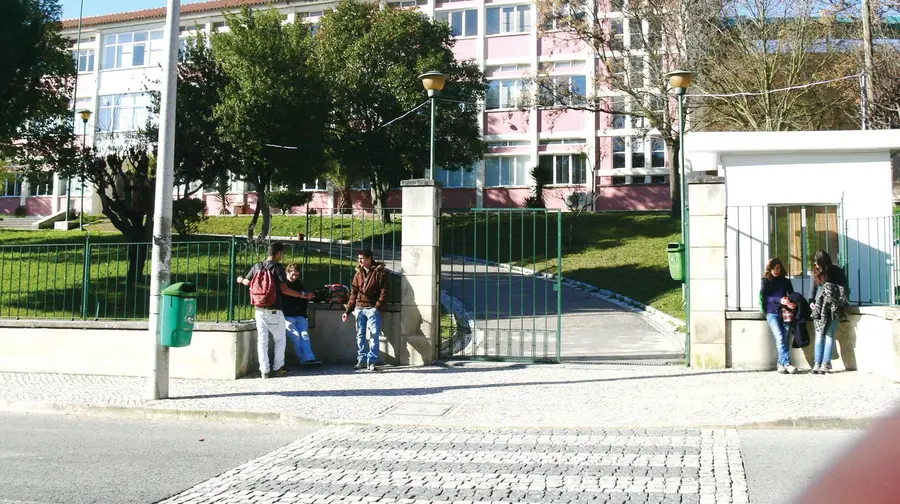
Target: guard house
(787, 195)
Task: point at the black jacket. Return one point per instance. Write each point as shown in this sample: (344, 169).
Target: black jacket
(802, 315)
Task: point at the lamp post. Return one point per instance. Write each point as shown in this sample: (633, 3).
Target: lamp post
(85, 117)
(680, 81)
(433, 82)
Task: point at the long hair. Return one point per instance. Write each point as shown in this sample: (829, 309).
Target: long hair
(771, 265)
(821, 266)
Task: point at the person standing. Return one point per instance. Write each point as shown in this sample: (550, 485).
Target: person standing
(296, 317)
(268, 283)
(829, 298)
(773, 295)
(368, 293)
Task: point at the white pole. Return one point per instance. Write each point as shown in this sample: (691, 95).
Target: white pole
(158, 381)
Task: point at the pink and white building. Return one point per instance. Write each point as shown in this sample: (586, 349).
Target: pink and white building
(119, 58)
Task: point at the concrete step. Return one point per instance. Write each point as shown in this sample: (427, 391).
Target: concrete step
(18, 222)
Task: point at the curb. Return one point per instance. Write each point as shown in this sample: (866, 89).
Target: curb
(252, 417)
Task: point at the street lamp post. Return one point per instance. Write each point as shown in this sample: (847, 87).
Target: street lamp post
(680, 81)
(85, 116)
(433, 82)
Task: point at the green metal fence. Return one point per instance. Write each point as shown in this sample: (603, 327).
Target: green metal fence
(872, 250)
(111, 280)
(499, 312)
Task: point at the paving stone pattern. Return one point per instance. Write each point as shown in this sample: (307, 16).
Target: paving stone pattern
(391, 464)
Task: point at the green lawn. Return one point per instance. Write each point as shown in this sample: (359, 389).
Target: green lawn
(624, 253)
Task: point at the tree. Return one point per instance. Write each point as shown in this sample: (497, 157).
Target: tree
(36, 76)
(372, 58)
(201, 155)
(285, 199)
(754, 47)
(273, 108)
(632, 54)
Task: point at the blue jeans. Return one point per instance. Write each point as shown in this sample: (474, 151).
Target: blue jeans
(825, 342)
(297, 329)
(367, 318)
(780, 331)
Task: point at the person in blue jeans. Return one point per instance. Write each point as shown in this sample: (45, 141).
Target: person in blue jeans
(773, 294)
(368, 294)
(828, 302)
(296, 317)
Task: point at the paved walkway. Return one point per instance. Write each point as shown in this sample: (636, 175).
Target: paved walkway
(396, 465)
(486, 394)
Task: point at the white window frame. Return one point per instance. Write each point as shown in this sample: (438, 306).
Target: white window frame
(12, 186)
(318, 185)
(515, 171)
(566, 79)
(447, 17)
(503, 102)
(519, 24)
(121, 104)
(570, 159)
(123, 47)
(630, 142)
(88, 56)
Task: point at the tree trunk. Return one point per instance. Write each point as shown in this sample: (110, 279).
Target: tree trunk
(345, 200)
(674, 178)
(379, 198)
(137, 258)
(253, 220)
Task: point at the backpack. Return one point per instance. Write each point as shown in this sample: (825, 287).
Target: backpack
(262, 287)
(334, 293)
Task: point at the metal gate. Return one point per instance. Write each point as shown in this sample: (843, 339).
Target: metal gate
(500, 294)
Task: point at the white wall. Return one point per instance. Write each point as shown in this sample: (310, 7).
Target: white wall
(859, 181)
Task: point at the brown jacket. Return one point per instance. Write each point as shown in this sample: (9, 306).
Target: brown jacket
(368, 289)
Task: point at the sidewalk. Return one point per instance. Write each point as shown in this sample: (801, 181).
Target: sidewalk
(482, 394)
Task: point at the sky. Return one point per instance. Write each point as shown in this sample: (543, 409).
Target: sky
(98, 7)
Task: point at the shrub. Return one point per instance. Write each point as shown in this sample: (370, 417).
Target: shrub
(20, 211)
(285, 199)
(187, 215)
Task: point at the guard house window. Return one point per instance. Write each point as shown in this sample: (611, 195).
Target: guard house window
(797, 232)
(506, 171)
(463, 23)
(123, 50)
(503, 93)
(84, 59)
(568, 169)
(463, 177)
(508, 19)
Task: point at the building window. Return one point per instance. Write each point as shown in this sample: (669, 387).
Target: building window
(659, 179)
(463, 177)
(463, 23)
(41, 187)
(567, 90)
(12, 185)
(657, 153)
(123, 50)
(638, 153)
(316, 185)
(84, 59)
(617, 29)
(790, 238)
(508, 143)
(406, 3)
(618, 157)
(632, 152)
(617, 181)
(503, 93)
(636, 35)
(508, 19)
(506, 171)
(563, 141)
(124, 112)
(568, 169)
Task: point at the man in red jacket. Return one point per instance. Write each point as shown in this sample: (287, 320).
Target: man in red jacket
(368, 293)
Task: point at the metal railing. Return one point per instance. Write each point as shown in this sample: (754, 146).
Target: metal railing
(99, 280)
(872, 260)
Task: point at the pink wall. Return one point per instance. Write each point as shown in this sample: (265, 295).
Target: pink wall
(42, 205)
(458, 198)
(634, 197)
(505, 198)
(502, 123)
(508, 46)
(465, 49)
(8, 205)
(556, 43)
(568, 120)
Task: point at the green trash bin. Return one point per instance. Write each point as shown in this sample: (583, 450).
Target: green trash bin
(177, 315)
(676, 261)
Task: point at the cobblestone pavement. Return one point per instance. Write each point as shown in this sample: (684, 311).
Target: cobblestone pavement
(490, 394)
(390, 464)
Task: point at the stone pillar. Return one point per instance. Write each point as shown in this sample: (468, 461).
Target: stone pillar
(420, 265)
(709, 346)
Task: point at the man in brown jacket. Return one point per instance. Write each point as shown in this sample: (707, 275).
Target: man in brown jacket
(368, 293)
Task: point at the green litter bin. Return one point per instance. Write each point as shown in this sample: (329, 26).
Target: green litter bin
(676, 261)
(178, 313)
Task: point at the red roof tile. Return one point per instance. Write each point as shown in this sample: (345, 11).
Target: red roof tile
(160, 13)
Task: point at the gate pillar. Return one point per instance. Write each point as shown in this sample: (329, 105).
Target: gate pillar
(420, 265)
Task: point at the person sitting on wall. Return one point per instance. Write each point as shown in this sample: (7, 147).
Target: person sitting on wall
(296, 317)
(773, 297)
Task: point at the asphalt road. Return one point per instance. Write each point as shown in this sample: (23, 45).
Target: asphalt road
(73, 459)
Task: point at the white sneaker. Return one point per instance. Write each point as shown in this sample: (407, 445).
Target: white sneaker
(790, 369)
